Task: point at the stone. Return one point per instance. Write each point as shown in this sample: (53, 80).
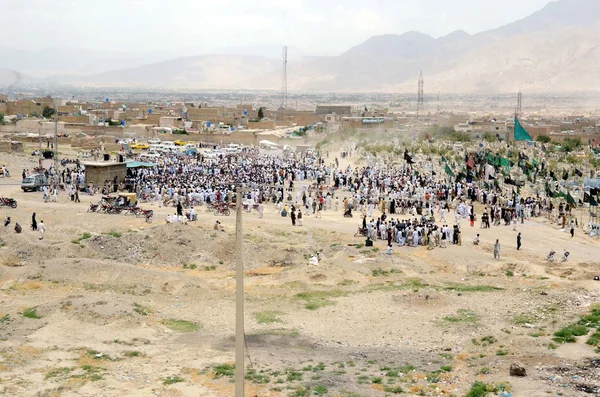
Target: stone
(517, 369)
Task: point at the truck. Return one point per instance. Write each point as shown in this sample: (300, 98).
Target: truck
(34, 183)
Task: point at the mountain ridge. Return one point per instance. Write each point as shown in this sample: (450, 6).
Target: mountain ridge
(553, 46)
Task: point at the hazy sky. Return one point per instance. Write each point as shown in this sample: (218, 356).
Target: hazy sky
(316, 26)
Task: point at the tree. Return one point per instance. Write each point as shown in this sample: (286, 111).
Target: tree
(570, 144)
(261, 115)
(1, 118)
(543, 139)
(458, 136)
(489, 137)
(48, 112)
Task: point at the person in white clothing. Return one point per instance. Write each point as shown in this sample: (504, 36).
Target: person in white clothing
(42, 228)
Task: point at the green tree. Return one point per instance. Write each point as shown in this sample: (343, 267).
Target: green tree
(261, 115)
(489, 137)
(570, 144)
(48, 112)
(458, 136)
(543, 139)
(1, 118)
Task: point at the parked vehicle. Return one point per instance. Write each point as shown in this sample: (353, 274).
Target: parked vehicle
(222, 210)
(34, 183)
(154, 141)
(209, 154)
(150, 155)
(140, 146)
(8, 202)
(148, 214)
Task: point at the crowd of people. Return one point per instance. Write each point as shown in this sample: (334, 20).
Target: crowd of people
(401, 204)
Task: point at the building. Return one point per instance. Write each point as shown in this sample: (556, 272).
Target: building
(341, 110)
(100, 172)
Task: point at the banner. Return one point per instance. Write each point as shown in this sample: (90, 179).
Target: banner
(521, 133)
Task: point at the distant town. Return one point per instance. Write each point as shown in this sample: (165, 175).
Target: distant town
(221, 117)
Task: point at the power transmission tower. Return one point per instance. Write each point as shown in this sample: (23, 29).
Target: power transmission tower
(519, 107)
(284, 89)
(420, 101)
(438, 108)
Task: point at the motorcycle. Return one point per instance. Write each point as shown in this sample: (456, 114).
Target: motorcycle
(222, 210)
(8, 202)
(93, 208)
(148, 214)
(362, 231)
(132, 210)
(565, 256)
(348, 214)
(550, 257)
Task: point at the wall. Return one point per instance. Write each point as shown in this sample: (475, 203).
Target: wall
(98, 175)
(75, 119)
(262, 125)
(337, 109)
(204, 113)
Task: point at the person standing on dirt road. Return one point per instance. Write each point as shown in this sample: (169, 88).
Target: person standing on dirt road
(497, 250)
(42, 229)
(34, 226)
(293, 217)
(572, 230)
(179, 209)
(518, 241)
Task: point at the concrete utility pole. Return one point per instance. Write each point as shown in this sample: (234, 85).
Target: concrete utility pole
(55, 138)
(239, 298)
(420, 96)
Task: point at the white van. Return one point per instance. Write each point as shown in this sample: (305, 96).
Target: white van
(158, 148)
(170, 146)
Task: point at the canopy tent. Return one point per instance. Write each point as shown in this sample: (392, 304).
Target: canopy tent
(267, 143)
(139, 164)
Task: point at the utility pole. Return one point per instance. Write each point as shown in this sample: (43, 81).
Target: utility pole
(55, 138)
(420, 100)
(239, 297)
(284, 87)
(438, 108)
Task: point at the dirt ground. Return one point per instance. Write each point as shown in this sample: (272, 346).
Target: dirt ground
(108, 305)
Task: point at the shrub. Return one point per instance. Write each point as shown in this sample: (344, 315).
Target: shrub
(31, 313)
(182, 325)
(543, 139)
(224, 370)
(172, 379)
(568, 334)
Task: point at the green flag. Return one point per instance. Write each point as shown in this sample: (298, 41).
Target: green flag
(443, 159)
(521, 133)
(570, 198)
(449, 171)
(505, 163)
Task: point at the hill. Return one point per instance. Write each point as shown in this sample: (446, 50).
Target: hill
(554, 49)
